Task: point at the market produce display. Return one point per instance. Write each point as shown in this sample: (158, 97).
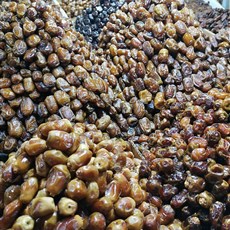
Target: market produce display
(130, 133)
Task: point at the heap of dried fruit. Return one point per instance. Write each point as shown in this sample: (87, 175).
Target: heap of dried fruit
(47, 69)
(209, 18)
(215, 19)
(173, 105)
(74, 8)
(92, 19)
(157, 82)
(76, 177)
(198, 6)
(161, 57)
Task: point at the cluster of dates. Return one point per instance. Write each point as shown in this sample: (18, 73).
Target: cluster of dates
(215, 19)
(160, 57)
(77, 177)
(92, 19)
(138, 133)
(74, 8)
(173, 105)
(210, 18)
(47, 69)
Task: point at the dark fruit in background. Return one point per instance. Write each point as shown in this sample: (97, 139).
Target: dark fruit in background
(91, 21)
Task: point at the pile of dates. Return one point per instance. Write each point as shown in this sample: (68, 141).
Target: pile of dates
(210, 18)
(131, 134)
(47, 72)
(76, 177)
